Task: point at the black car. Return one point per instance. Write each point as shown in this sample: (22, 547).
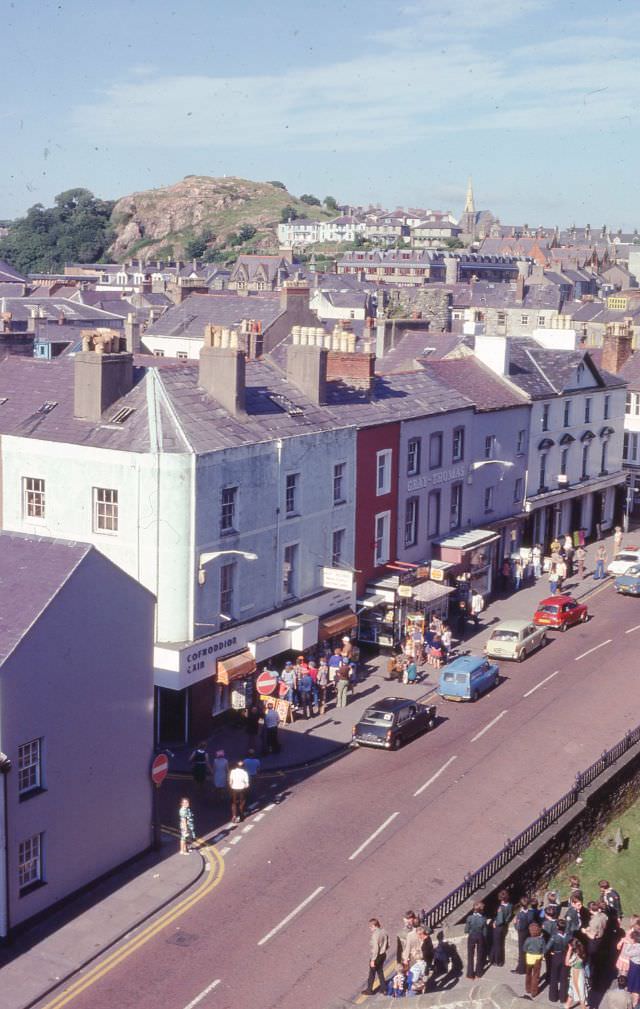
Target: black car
(392, 722)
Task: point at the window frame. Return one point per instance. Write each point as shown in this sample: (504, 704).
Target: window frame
(291, 495)
(607, 407)
(489, 499)
(290, 572)
(544, 420)
(100, 511)
(34, 500)
(564, 460)
(30, 864)
(339, 473)
(32, 767)
(414, 453)
(226, 590)
(228, 510)
(455, 504)
(381, 540)
(584, 472)
(411, 513)
(518, 489)
(587, 410)
(435, 439)
(566, 413)
(542, 471)
(489, 446)
(383, 467)
(458, 434)
(337, 553)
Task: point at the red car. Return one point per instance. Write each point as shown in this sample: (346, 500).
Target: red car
(560, 612)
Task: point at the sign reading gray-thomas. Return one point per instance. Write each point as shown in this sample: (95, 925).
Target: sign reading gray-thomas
(441, 476)
(197, 657)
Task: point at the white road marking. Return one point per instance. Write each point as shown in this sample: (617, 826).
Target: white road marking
(489, 726)
(292, 914)
(541, 684)
(234, 840)
(271, 805)
(225, 851)
(199, 998)
(258, 817)
(632, 629)
(594, 649)
(434, 776)
(373, 836)
(245, 830)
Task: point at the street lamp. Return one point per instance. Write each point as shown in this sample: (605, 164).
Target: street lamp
(487, 462)
(207, 557)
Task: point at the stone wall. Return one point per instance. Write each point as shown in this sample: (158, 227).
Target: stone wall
(432, 303)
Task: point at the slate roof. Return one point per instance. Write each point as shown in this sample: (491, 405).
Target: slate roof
(630, 372)
(503, 295)
(414, 345)
(541, 372)
(25, 597)
(9, 275)
(53, 308)
(223, 309)
(476, 381)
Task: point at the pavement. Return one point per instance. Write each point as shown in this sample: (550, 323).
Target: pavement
(307, 833)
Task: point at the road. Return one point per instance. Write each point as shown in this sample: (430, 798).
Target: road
(376, 833)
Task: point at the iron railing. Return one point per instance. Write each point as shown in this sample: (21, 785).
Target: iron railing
(475, 880)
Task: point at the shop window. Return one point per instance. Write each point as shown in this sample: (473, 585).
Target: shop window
(433, 514)
(290, 571)
(457, 454)
(339, 491)
(227, 580)
(33, 498)
(383, 471)
(435, 450)
(105, 510)
(337, 547)
(382, 527)
(29, 768)
(455, 517)
(413, 456)
(411, 522)
(228, 509)
(30, 873)
(291, 494)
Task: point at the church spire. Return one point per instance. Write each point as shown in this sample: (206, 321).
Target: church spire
(469, 206)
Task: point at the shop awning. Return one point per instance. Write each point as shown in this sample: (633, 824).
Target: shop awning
(469, 540)
(236, 667)
(431, 592)
(370, 602)
(337, 623)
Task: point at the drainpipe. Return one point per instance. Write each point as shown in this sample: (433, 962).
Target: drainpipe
(5, 767)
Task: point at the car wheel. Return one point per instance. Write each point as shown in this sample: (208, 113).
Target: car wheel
(520, 655)
(543, 640)
(563, 627)
(397, 743)
(474, 696)
(431, 724)
(584, 617)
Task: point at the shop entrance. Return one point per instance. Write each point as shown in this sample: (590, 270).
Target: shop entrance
(171, 715)
(576, 515)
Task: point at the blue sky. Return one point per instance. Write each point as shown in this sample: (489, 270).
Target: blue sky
(366, 100)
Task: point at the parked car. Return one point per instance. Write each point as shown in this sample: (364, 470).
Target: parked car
(515, 639)
(560, 612)
(467, 677)
(624, 560)
(629, 583)
(393, 721)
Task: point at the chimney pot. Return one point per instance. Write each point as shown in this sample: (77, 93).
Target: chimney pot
(222, 376)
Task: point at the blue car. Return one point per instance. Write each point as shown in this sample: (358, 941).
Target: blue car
(466, 678)
(628, 584)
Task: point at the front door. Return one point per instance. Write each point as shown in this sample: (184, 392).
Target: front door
(171, 715)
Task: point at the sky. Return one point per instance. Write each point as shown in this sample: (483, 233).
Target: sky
(369, 101)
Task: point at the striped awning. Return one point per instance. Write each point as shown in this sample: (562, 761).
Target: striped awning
(236, 667)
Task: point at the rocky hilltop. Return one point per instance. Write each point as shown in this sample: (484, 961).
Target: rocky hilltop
(163, 222)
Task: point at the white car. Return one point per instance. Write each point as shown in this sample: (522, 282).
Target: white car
(626, 559)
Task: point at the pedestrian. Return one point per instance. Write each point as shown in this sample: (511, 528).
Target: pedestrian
(408, 945)
(617, 540)
(517, 574)
(553, 579)
(477, 604)
(533, 948)
(557, 971)
(323, 685)
(580, 556)
(187, 828)
(506, 573)
(633, 978)
(410, 672)
(252, 726)
(594, 933)
(305, 691)
(536, 555)
(601, 560)
(610, 897)
(462, 617)
(342, 686)
(378, 947)
(288, 677)
(347, 648)
(575, 960)
(426, 945)
(521, 922)
(238, 786)
(501, 921)
(220, 773)
(567, 546)
(312, 669)
(476, 930)
(436, 651)
(251, 766)
(618, 997)
(272, 721)
(561, 571)
(200, 765)
(555, 545)
(622, 963)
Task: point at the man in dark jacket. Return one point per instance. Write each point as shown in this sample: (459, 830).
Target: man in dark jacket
(525, 916)
(503, 916)
(476, 930)
(555, 953)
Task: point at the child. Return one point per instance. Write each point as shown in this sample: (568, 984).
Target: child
(400, 982)
(187, 829)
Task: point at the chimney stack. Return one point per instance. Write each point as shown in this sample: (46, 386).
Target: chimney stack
(307, 370)
(222, 370)
(103, 373)
(520, 289)
(132, 334)
(493, 351)
(617, 345)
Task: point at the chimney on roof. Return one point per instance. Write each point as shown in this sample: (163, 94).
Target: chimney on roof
(103, 373)
(617, 345)
(520, 289)
(451, 270)
(294, 293)
(307, 369)
(493, 351)
(222, 370)
(132, 334)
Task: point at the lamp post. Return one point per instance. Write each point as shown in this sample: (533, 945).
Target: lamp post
(5, 767)
(207, 557)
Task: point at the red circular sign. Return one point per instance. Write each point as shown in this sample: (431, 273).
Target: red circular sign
(283, 690)
(159, 768)
(266, 682)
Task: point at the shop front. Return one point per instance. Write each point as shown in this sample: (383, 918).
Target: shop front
(472, 558)
(396, 606)
(592, 506)
(215, 675)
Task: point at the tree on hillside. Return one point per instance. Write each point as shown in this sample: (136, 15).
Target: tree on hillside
(197, 246)
(288, 214)
(330, 203)
(311, 200)
(278, 185)
(75, 229)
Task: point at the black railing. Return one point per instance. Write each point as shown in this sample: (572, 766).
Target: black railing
(512, 847)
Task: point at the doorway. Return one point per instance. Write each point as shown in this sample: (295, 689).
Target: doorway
(171, 715)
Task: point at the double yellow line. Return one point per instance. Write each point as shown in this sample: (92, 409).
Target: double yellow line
(214, 863)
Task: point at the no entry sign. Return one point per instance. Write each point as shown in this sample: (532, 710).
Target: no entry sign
(159, 768)
(266, 682)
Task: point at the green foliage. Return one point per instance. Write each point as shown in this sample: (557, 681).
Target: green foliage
(453, 243)
(278, 185)
(75, 229)
(289, 214)
(197, 246)
(330, 203)
(311, 200)
(246, 232)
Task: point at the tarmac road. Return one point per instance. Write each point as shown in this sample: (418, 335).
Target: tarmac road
(376, 833)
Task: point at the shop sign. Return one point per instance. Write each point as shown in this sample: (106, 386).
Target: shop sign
(405, 591)
(337, 578)
(203, 655)
(422, 572)
(240, 694)
(437, 574)
(442, 476)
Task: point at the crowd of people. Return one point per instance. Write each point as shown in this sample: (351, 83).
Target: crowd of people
(574, 949)
(567, 558)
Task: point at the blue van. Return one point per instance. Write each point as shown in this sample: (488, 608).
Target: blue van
(466, 678)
